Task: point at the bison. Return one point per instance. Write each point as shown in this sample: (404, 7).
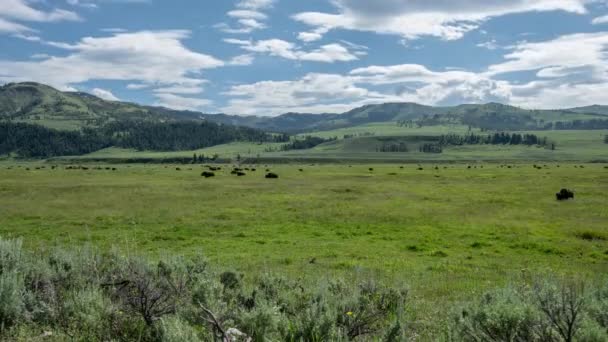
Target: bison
(271, 175)
(207, 174)
(564, 194)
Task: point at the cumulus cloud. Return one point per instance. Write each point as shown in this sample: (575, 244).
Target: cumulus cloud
(14, 12)
(568, 71)
(569, 51)
(104, 94)
(157, 60)
(314, 93)
(148, 56)
(181, 103)
(445, 19)
(280, 48)
(248, 15)
(600, 20)
(319, 93)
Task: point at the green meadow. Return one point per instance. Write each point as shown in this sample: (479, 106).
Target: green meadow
(448, 231)
(570, 146)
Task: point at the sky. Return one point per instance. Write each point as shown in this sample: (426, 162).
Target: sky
(268, 57)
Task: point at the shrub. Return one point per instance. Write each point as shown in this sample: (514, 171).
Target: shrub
(498, 316)
(80, 295)
(11, 299)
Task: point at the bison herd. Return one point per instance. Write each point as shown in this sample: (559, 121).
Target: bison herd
(237, 171)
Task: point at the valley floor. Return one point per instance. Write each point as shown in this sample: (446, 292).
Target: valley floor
(448, 231)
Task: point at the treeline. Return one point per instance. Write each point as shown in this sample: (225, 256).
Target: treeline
(581, 125)
(306, 143)
(431, 148)
(81, 295)
(393, 147)
(606, 139)
(181, 136)
(493, 139)
(31, 141)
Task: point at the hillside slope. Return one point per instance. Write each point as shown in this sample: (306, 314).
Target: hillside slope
(40, 104)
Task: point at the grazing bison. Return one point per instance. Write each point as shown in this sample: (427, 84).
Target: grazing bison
(241, 173)
(371, 169)
(208, 174)
(271, 175)
(564, 194)
(177, 169)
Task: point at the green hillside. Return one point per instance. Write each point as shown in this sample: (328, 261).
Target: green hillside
(44, 105)
(40, 104)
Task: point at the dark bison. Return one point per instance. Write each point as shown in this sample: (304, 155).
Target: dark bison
(207, 174)
(271, 175)
(241, 173)
(564, 194)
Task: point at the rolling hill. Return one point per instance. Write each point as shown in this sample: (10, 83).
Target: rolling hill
(40, 104)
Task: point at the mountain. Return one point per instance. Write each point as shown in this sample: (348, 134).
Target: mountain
(595, 109)
(40, 104)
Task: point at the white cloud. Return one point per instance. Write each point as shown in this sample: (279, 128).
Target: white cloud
(248, 17)
(12, 27)
(104, 94)
(180, 89)
(446, 19)
(314, 93)
(569, 71)
(329, 53)
(318, 93)
(255, 4)
(569, 51)
(242, 60)
(600, 20)
(181, 103)
(247, 14)
(137, 86)
(24, 11)
(490, 45)
(150, 57)
(14, 11)
(309, 36)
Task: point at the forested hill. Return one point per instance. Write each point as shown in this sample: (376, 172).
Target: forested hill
(43, 105)
(27, 140)
(40, 104)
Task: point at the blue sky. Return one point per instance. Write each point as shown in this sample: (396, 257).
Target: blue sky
(267, 57)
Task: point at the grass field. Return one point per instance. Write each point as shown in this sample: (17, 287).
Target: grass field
(571, 146)
(447, 232)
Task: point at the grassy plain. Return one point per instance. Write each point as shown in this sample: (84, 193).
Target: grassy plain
(571, 146)
(447, 232)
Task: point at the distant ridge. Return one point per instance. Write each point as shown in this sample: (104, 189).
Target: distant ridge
(41, 104)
